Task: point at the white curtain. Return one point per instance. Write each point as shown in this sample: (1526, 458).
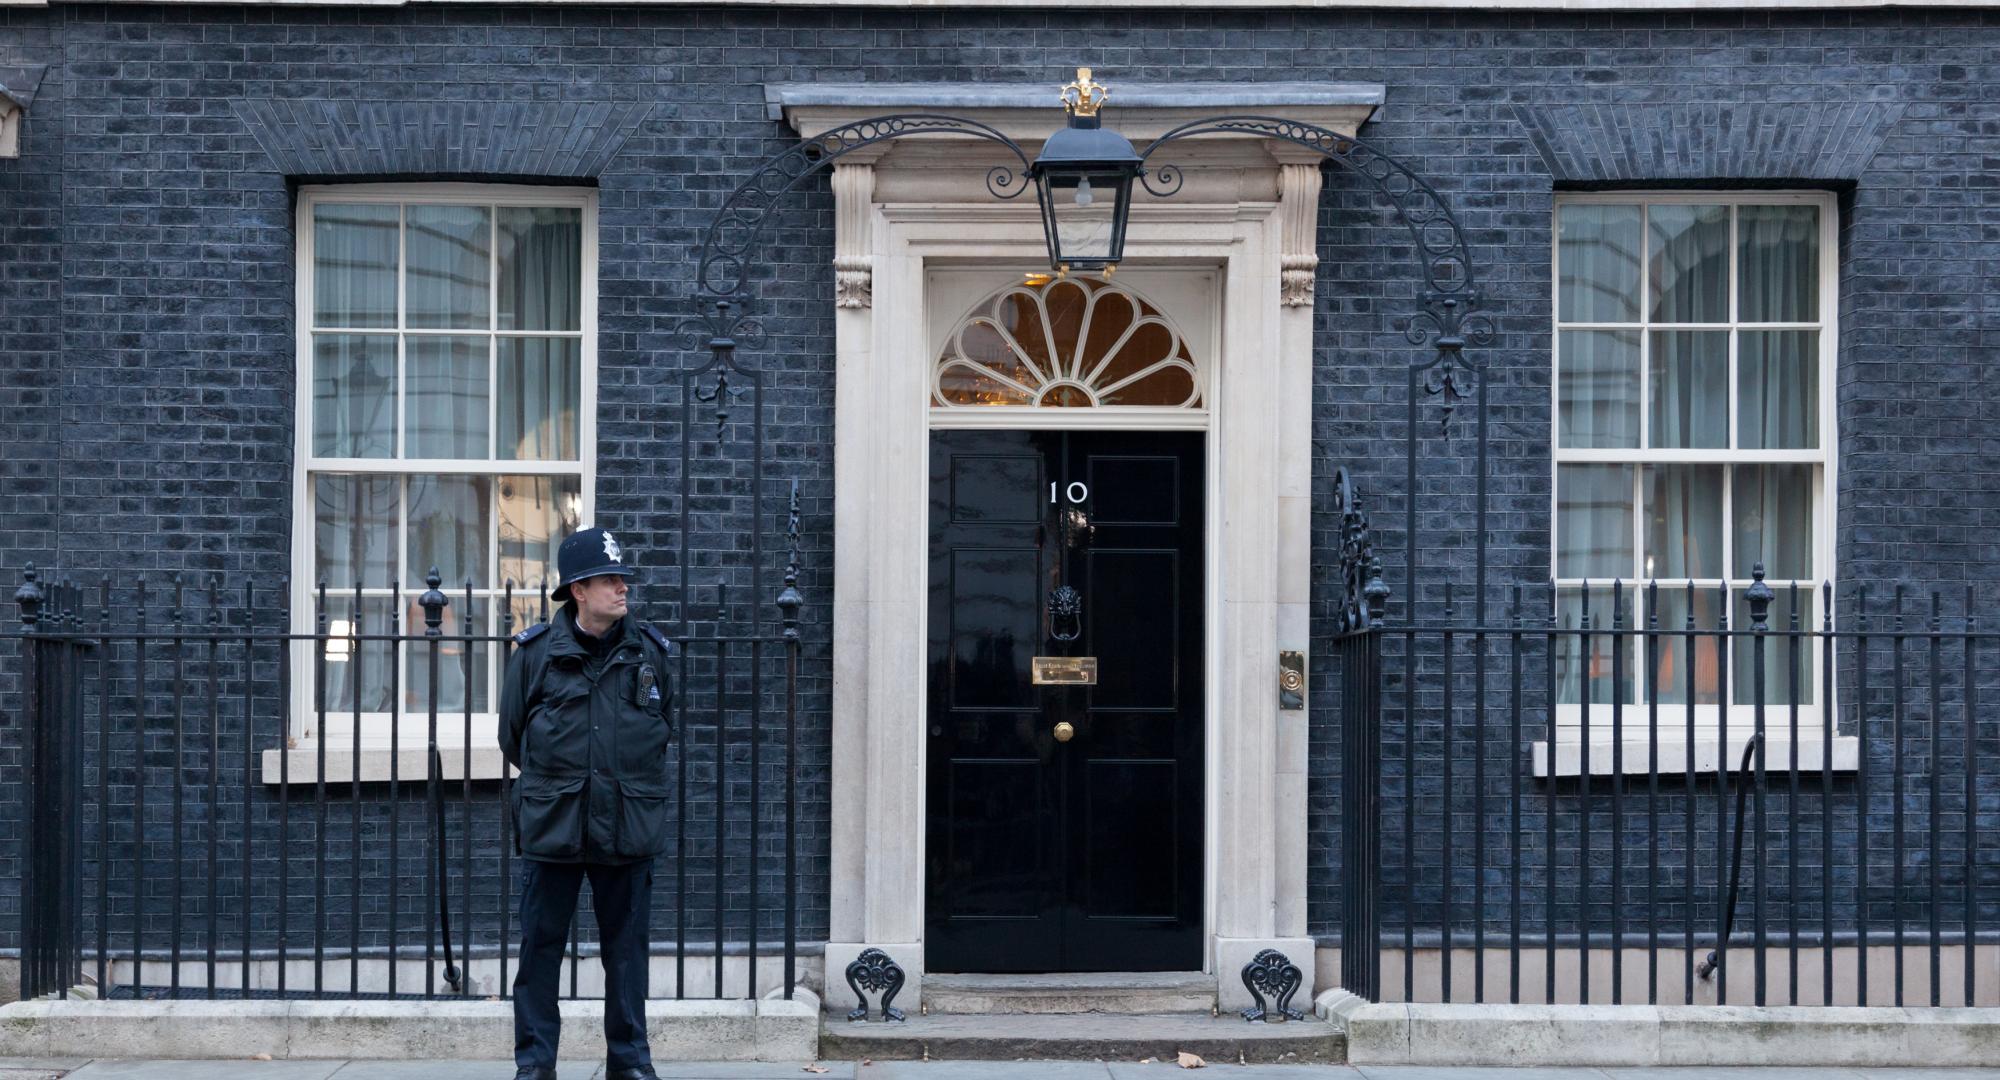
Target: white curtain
(541, 253)
(354, 264)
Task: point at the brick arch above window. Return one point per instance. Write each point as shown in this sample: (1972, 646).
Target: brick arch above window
(331, 140)
(1708, 142)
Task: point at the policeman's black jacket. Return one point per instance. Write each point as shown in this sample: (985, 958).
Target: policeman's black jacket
(589, 731)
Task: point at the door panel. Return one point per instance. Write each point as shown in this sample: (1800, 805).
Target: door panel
(1143, 589)
(985, 831)
(1136, 883)
(993, 631)
(1081, 855)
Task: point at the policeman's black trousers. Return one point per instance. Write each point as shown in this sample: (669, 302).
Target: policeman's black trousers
(623, 898)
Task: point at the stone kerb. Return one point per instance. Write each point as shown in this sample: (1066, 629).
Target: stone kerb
(1639, 1035)
(768, 1030)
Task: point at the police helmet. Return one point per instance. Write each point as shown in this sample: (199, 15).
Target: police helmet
(588, 553)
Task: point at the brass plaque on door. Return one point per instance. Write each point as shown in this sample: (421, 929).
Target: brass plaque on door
(1065, 671)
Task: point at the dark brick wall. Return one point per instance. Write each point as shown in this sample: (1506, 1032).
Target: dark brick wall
(31, 296)
(173, 360)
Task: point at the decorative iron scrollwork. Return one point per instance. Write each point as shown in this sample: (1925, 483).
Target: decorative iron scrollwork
(1272, 974)
(1451, 320)
(728, 247)
(1451, 315)
(873, 970)
(1065, 613)
(1365, 595)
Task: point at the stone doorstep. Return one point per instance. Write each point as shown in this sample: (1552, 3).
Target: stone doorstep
(1089, 1037)
(1679, 1035)
(1131, 993)
(771, 1030)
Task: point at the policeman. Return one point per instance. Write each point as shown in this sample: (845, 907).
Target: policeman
(583, 715)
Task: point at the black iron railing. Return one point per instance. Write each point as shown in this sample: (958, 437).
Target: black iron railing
(195, 825)
(1766, 798)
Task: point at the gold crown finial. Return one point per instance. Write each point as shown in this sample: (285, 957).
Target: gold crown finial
(1084, 97)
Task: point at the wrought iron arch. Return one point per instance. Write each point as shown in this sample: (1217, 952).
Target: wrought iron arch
(1449, 315)
(721, 274)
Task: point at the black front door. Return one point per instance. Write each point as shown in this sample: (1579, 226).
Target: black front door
(1065, 820)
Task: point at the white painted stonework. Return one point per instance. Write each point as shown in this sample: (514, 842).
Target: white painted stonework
(1224, 258)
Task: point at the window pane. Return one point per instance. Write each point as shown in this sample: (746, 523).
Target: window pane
(357, 671)
(1684, 521)
(444, 410)
(528, 609)
(354, 264)
(1600, 388)
(536, 512)
(1777, 392)
(1599, 254)
(540, 393)
(448, 529)
(354, 395)
(1781, 661)
(1778, 263)
(354, 530)
(1773, 510)
(1594, 521)
(1689, 253)
(541, 268)
(449, 261)
(1689, 387)
(1671, 670)
(451, 659)
(1578, 659)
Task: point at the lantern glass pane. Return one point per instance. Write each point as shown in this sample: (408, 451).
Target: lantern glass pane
(1084, 207)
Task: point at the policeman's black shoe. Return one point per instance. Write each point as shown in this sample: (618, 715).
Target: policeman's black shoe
(535, 1072)
(631, 1072)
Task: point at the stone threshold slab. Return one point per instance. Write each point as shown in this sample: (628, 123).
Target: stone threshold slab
(1678, 1035)
(1081, 1037)
(772, 1030)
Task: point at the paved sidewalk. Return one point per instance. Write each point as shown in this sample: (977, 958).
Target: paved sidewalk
(108, 1069)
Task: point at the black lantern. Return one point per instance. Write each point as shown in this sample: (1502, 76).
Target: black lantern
(1083, 177)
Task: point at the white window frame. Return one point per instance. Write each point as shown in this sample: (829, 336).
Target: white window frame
(1708, 752)
(375, 726)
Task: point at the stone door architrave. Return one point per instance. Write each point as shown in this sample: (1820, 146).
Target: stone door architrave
(1246, 215)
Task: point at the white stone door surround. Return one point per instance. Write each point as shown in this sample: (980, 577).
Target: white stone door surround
(1246, 215)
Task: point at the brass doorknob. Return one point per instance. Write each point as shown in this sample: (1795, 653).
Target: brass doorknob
(1065, 731)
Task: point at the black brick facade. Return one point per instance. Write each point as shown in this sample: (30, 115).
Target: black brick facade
(146, 256)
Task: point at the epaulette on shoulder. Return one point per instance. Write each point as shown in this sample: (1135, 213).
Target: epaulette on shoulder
(531, 633)
(653, 632)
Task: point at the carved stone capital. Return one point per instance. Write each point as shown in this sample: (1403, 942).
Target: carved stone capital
(1299, 273)
(853, 281)
(853, 208)
(1298, 210)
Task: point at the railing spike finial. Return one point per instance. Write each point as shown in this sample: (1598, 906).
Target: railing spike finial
(1760, 596)
(433, 602)
(789, 599)
(1367, 597)
(29, 597)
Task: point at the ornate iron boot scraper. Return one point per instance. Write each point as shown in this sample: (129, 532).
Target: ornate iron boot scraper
(873, 970)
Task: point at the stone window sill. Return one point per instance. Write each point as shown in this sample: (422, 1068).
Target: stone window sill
(411, 764)
(1844, 752)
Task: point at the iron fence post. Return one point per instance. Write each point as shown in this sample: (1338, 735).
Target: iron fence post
(1360, 645)
(34, 935)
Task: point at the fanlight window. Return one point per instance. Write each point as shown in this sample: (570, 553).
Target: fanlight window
(1066, 344)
